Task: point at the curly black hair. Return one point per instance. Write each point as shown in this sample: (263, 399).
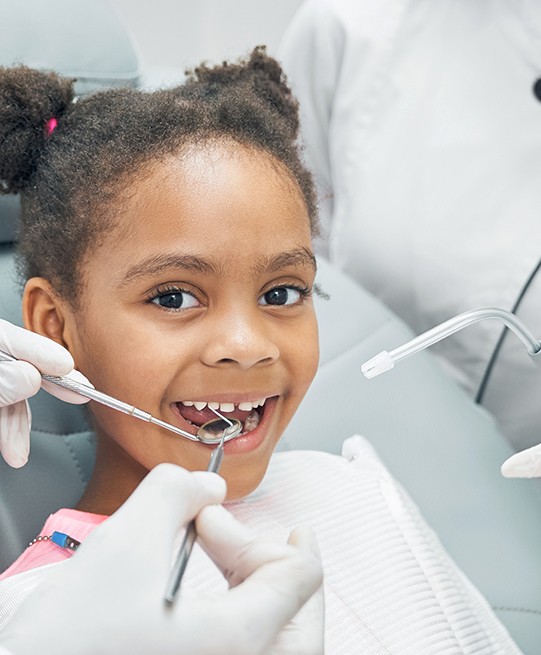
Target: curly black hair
(71, 171)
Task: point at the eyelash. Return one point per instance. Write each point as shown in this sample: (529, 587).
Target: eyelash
(304, 292)
(160, 292)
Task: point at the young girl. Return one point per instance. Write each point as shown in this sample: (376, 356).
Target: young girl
(166, 242)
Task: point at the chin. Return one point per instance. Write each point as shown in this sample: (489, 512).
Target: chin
(242, 481)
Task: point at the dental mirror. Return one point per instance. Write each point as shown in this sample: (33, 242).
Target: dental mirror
(211, 432)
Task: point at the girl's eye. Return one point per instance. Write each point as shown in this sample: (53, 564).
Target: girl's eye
(175, 300)
(281, 296)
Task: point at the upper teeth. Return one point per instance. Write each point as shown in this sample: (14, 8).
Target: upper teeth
(245, 406)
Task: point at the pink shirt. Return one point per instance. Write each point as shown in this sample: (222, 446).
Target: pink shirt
(69, 521)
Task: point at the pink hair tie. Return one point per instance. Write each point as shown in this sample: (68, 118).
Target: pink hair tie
(50, 126)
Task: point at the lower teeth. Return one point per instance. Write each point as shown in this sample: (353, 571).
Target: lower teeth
(251, 422)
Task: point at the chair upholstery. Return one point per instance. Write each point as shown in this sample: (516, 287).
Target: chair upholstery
(442, 448)
(85, 40)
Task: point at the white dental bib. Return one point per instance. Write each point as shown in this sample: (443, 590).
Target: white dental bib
(389, 585)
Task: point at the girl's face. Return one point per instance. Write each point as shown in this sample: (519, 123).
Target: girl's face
(202, 295)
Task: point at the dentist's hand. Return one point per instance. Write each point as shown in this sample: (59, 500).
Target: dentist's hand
(20, 380)
(263, 575)
(108, 598)
(526, 464)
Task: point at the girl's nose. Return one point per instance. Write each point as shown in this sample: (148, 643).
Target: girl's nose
(240, 340)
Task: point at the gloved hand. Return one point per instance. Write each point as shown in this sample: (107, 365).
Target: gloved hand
(526, 464)
(20, 380)
(262, 575)
(108, 598)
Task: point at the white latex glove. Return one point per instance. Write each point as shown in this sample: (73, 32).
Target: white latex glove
(20, 380)
(108, 598)
(526, 464)
(261, 574)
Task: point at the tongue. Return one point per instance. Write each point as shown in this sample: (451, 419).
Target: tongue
(198, 417)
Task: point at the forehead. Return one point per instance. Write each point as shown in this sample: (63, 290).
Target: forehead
(222, 168)
(212, 185)
(223, 200)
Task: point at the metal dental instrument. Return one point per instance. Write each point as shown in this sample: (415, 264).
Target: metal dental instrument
(204, 434)
(190, 535)
(385, 361)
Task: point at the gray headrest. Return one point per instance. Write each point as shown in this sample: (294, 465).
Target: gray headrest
(77, 38)
(9, 216)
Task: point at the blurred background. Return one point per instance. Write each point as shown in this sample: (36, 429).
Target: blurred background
(176, 34)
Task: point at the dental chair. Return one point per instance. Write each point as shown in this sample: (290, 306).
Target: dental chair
(442, 448)
(87, 41)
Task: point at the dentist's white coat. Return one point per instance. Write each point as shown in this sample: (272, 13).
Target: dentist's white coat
(425, 136)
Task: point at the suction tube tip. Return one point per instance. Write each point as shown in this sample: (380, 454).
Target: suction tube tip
(377, 365)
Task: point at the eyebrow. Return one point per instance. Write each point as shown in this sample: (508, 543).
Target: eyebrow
(160, 263)
(298, 257)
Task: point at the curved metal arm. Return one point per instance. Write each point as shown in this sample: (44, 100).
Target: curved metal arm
(384, 361)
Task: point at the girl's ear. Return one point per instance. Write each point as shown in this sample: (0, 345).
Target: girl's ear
(43, 311)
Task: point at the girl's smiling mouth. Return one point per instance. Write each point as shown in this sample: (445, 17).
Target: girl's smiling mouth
(253, 415)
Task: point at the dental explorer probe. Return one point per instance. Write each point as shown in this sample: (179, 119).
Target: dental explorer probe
(102, 398)
(384, 361)
(190, 535)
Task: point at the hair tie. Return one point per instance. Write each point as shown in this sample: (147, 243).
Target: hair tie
(50, 126)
